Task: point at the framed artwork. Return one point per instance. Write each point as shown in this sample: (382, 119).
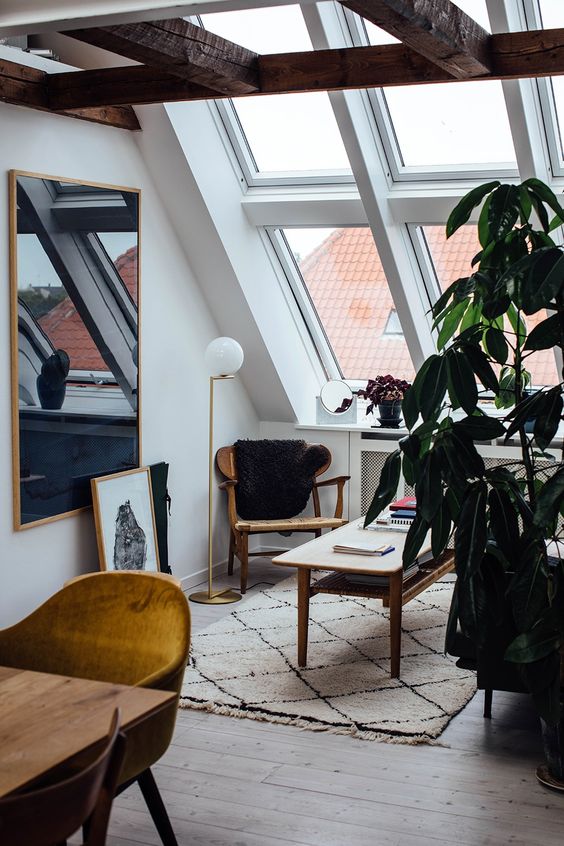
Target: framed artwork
(74, 267)
(125, 521)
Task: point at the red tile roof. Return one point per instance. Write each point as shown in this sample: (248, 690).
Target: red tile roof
(347, 284)
(66, 330)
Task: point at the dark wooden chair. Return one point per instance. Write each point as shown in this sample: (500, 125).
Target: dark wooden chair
(240, 529)
(48, 814)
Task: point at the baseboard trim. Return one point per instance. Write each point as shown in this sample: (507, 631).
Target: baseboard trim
(220, 568)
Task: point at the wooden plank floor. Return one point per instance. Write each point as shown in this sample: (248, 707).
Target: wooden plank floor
(230, 782)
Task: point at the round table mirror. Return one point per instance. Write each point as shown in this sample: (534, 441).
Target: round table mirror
(336, 396)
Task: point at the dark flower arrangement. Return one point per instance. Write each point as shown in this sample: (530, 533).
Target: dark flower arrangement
(383, 388)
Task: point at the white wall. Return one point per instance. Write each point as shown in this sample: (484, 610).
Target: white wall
(176, 327)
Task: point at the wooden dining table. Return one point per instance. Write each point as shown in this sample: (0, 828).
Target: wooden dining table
(46, 720)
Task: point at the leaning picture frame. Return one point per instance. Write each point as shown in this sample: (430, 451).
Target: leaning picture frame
(124, 516)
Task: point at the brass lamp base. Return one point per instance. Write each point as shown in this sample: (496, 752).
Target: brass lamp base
(223, 597)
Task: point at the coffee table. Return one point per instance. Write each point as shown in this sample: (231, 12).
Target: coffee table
(318, 554)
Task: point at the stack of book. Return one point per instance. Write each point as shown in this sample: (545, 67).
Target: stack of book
(399, 516)
(403, 510)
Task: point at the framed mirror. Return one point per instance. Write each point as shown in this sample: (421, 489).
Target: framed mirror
(74, 270)
(336, 396)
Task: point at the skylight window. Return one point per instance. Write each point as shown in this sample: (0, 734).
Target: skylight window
(345, 282)
(283, 132)
(436, 130)
(552, 17)
(452, 260)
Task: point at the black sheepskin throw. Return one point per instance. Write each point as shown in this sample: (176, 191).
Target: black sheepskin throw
(276, 477)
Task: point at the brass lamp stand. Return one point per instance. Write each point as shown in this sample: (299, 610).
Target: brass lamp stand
(224, 353)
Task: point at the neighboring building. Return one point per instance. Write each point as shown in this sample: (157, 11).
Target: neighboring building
(346, 282)
(66, 330)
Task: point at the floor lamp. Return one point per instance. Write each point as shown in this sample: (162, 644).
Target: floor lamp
(224, 358)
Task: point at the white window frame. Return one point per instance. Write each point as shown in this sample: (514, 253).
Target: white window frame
(302, 298)
(549, 114)
(399, 172)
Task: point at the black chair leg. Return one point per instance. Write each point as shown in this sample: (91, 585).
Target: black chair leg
(488, 696)
(156, 808)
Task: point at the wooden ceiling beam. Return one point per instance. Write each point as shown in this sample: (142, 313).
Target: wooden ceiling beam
(182, 49)
(436, 29)
(514, 55)
(25, 86)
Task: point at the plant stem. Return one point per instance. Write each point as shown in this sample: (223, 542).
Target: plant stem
(525, 445)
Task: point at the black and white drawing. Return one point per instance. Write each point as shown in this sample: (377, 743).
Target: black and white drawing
(130, 547)
(125, 522)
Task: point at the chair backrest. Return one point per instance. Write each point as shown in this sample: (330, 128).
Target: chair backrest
(226, 459)
(50, 814)
(121, 627)
(274, 477)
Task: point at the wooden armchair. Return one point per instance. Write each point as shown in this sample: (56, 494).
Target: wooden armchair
(240, 528)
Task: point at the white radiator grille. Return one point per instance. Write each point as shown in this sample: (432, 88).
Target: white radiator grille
(371, 464)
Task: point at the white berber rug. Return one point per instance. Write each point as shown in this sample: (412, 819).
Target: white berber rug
(245, 665)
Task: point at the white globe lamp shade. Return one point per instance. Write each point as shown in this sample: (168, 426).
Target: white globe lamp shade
(224, 357)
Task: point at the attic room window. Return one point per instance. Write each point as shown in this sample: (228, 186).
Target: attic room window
(342, 282)
(435, 131)
(452, 260)
(278, 136)
(549, 14)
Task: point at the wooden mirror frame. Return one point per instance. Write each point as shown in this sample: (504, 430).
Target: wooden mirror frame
(105, 468)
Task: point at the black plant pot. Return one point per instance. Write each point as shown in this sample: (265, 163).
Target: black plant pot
(552, 774)
(50, 398)
(390, 413)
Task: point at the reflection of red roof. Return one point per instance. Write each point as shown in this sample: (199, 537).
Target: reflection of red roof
(346, 281)
(66, 330)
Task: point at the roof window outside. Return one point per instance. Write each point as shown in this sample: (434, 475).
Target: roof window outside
(286, 133)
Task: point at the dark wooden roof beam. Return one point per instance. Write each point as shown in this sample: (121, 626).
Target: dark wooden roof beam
(436, 29)
(25, 86)
(514, 55)
(181, 49)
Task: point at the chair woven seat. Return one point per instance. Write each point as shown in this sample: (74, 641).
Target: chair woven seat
(269, 458)
(290, 524)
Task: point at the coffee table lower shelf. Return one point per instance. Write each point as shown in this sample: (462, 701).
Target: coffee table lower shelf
(394, 595)
(428, 574)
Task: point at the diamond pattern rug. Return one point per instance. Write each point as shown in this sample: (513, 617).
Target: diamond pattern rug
(245, 665)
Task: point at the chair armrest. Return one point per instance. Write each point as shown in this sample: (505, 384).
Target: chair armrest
(338, 480)
(229, 487)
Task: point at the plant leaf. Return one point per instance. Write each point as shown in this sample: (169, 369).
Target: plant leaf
(429, 489)
(481, 366)
(479, 427)
(387, 486)
(548, 418)
(433, 388)
(531, 646)
(471, 531)
(544, 335)
(451, 322)
(440, 530)
(462, 211)
(504, 522)
(414, 539)
(461, 383)
(529, 586)
(550, 499)
(496, 344)
(503, 211)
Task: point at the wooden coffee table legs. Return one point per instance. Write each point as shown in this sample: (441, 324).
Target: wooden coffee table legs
(396, 589)
(395, 602)
(303, 613)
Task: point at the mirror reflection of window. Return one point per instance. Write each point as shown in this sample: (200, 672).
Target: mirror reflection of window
(77, 290)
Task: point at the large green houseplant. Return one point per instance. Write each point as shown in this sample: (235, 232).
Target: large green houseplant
(498, 519)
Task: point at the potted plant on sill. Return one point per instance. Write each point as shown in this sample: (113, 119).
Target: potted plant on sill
(500, 518)
(387, 393)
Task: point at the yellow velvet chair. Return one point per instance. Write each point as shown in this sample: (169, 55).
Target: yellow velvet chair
(121, 627)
